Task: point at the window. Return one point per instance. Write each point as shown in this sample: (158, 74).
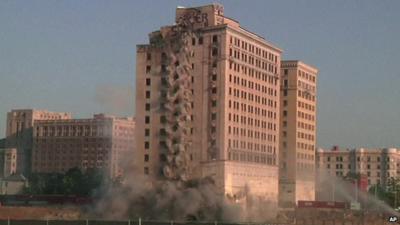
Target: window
(284, 102)
(146, 157)
(215, 39)
(285, 83)
(146, 145)
(148, 56)
(147, 132)
(147, 94)
(147, 119)
(284, 92)
(284, 113)
(148, 68)
(147, 106)
(285, 72)
(148, 81)
(146, 170)
(214, 52)
(193, 41)
(200, 40)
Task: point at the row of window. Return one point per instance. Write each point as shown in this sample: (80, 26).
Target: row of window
(251, 121)
(253, 49)
(252, 109)
(236, 131)
(305, 126)
(306, 136)
(305, 146)
(306, 76)
(301, 155)
(306, 95)
(251, 157)
(306, 106)
(306, 116)
(368, 167)
(301, 84)
(362, 158)
(253, 73)
(254, 86)
(254, 61)
(236, 144)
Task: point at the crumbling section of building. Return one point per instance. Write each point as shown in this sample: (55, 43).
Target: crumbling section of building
(176, 105)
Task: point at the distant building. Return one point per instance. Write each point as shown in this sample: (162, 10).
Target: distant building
(8, 162)
(298, 103)
(13, 184)
(2, 143)
(207, 95)
(19, 133)
(105, 142)
(377, 165)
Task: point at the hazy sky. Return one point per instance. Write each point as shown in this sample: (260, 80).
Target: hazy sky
(79, 56)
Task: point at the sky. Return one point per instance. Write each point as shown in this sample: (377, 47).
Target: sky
(79, 56)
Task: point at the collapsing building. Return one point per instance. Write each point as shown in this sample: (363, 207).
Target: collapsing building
(207, 93)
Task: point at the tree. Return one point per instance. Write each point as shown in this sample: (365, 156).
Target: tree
(73, 182)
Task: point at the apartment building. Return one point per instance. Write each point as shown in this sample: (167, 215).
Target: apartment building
(378, 165)
(103, 141)
(298, 103)
(19, 133)
(207, 95)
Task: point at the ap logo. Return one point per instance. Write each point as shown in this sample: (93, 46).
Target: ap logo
(393, 219)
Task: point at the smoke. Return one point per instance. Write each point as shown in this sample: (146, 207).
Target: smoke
(115, 99)
(142, 197)
(333, 188)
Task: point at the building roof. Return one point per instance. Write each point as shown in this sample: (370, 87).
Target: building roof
(15, 177)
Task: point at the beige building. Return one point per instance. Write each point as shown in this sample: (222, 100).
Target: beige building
(13, 184)
(207, 95)
(8, 162)
(19, 133)
(100, 142)
(378, 165)
(297, 132)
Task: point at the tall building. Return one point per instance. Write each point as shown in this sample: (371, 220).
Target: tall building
(377, 165)
(100, 142)
(207, 95)
(298, 132)
(19, 133)
(8, 162)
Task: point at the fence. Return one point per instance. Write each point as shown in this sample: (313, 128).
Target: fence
(314, 221)
(115, 222)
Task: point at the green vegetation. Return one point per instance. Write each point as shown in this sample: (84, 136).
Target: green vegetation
(73, 182)
(390, 195)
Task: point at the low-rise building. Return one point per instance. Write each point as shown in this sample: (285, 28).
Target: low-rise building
(105, 142)
(13, 184)
(19, 133)
(377, 165)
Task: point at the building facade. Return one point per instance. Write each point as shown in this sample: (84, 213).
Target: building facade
(8, 162)
(297, 132)
(207, 95)
(19, 133)
(378, 165)
(105, 142)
